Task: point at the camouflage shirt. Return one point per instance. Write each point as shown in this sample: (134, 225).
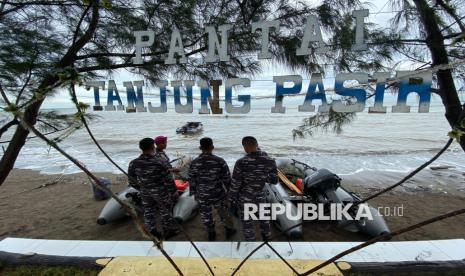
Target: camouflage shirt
(169, 179)
(161, 154)
(250, 174)
(209, 177)
(147, 172)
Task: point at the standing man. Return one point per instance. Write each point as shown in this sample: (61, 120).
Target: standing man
(148, 172)
(250, 174)
(209, 180)
(161, 142)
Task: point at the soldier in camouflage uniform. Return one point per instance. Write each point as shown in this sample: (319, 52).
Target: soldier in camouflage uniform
(209, 180)
(250, 174)
(147, 173)
(161, 143)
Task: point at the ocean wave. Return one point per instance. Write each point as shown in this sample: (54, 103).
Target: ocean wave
(304, 150)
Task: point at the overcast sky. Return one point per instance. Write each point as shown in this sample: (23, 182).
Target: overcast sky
(380, 14)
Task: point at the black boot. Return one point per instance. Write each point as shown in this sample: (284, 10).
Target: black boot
(229, 232)
(212, 235)
(266, 238)
(170, 233)
(156, 234)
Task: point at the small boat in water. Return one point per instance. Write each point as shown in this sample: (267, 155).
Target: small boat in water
(317, 186)
(190, 128)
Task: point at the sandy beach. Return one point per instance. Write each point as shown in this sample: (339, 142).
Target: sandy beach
(35, 205)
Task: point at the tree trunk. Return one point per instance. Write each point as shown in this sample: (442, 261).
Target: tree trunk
(406, 268)
(31, 112)
(16, 259)
(17, 141)
(435, 43)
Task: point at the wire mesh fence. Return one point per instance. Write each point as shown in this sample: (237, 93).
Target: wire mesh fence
(158, 243)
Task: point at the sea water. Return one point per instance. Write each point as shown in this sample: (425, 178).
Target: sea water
(391, 142)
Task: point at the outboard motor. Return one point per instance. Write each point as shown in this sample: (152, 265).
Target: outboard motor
(321, 181)
(135, 198)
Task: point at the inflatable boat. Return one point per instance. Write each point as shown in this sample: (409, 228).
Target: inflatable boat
(318, 186)
(185, 208)
(276, 193)
(190, 128)
(112, 211)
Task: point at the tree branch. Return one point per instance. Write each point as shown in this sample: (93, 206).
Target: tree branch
(129, 55)
(5, 97)
(410, 175)
(3, 13)
(75, 47)
(48, 124)
(130, 64)
(4, 128)
(44, 3)
(449, 36)
(385, 237)
(451, 24)
(130, 210)
(78, 28)
(18, 98)
(451, 12)
(241, 6)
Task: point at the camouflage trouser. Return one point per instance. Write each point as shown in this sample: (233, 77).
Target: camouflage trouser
(248, 226)
(153, 199)
(206, 214)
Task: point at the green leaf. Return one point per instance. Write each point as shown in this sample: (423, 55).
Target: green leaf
(456, 134)
(11, 108)
(83, 106)
(107, 4)
(459, 39)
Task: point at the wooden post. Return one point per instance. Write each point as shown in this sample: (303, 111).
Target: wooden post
(452, 267)
(15, 259)
(215, 100)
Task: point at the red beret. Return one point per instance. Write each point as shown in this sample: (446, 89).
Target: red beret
(160, 139)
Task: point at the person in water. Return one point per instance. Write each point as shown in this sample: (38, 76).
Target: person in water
(161, 143)
(250, 174)
(210, 179)
(148, 173)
